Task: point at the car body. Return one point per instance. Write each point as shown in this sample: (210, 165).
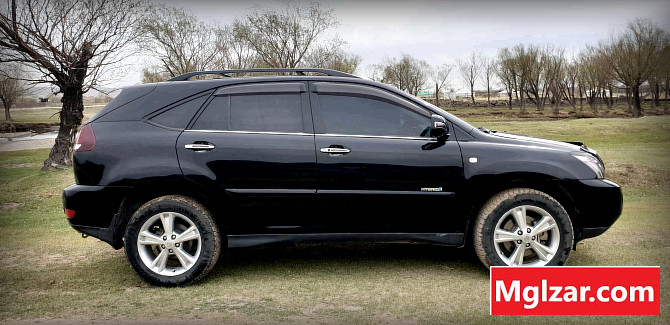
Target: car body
(318, 158)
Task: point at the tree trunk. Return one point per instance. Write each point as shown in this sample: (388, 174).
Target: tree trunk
(509, 94)
(522, 103)
(637, 107)
(437, 96)
(607, 99)
(488, 93)
(653, 94)
(7, 116)
(657, 95)
(581, 99)
(472, 94)
(71, 116)
(611, 96)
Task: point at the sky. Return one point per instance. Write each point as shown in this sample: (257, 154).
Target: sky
(443, 31)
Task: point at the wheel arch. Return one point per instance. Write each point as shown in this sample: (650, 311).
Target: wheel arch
(144, 192)
(487, 188)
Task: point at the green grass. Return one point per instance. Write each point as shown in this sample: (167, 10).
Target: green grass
(49, 114)
(48, 271)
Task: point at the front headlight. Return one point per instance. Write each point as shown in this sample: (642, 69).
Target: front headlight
(591, 161)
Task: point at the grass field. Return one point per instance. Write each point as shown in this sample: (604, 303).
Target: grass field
(49, 273)
(47, 114)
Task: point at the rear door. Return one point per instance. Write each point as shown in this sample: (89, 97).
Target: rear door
(378, 170)
(254, 143)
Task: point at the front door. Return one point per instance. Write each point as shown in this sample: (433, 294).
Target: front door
(379, 171)
(254, 142)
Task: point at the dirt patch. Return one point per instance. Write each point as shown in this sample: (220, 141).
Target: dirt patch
(115, 321)
(548, 114)
(10, 206)
(643, 177)
(25, 165)
(26, 127)
(26, 145)
(58, 259)
(15, 134)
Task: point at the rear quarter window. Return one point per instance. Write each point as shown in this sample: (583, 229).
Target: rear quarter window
(179, 115)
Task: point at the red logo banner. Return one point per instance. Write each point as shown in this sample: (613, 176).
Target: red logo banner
(578, 290)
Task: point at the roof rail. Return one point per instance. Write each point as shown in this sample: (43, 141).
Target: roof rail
(226, 73)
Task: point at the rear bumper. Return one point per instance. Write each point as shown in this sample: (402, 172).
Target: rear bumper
(599, 203)
(95, 210)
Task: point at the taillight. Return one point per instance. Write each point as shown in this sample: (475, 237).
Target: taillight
(85, 139)
(69, 213)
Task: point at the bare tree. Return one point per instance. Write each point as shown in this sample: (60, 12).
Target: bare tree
(12, 86)
(233, 52)
(440, 76)
(154, 74)
(525, 60)
(554, 77)
(488, 74)
(506, 72)
(537, 89)
(664, 75)
(570, 83)
(654, 88)
(178, 40)
(590, 75)
(283, 38)
(375, 72)
(72, 45)
(323, 57)
(407, 73)
(634, 54)
(470, 70)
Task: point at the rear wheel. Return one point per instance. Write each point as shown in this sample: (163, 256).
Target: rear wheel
(523, 227)
(172, 240)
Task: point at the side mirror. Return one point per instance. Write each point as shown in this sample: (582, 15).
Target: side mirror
(439, 128)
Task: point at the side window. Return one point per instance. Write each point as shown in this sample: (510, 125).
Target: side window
(271, 112)
(179, 115)
(216, 115)
(369, 116)
(253, 112)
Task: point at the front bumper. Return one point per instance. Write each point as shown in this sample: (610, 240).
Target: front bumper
(95, 210)
(598, 204)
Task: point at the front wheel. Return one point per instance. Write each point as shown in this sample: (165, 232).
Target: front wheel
(522, 227)
(171, 241)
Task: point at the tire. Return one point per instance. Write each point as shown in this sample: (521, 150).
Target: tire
(176, 257)
(499, 241)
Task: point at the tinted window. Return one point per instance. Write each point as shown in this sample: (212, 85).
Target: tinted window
(216, 116)
(276, 112)
(179, 116)
(271, 112)
(368, 116)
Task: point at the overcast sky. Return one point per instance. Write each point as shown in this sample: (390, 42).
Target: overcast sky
(442, 31)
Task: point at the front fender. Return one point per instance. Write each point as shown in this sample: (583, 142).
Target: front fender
(495, 159)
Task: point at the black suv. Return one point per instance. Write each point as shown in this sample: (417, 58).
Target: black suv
(179, 170)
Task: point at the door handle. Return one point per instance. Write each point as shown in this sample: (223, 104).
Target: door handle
(199, 147)
(335, 151)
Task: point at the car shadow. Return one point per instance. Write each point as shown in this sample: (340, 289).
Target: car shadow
(344, 257)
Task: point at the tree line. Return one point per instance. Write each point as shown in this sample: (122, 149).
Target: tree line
(78, 45)
(291, 37)
(543, 76)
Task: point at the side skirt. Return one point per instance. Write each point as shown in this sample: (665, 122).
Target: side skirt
(447, 239)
